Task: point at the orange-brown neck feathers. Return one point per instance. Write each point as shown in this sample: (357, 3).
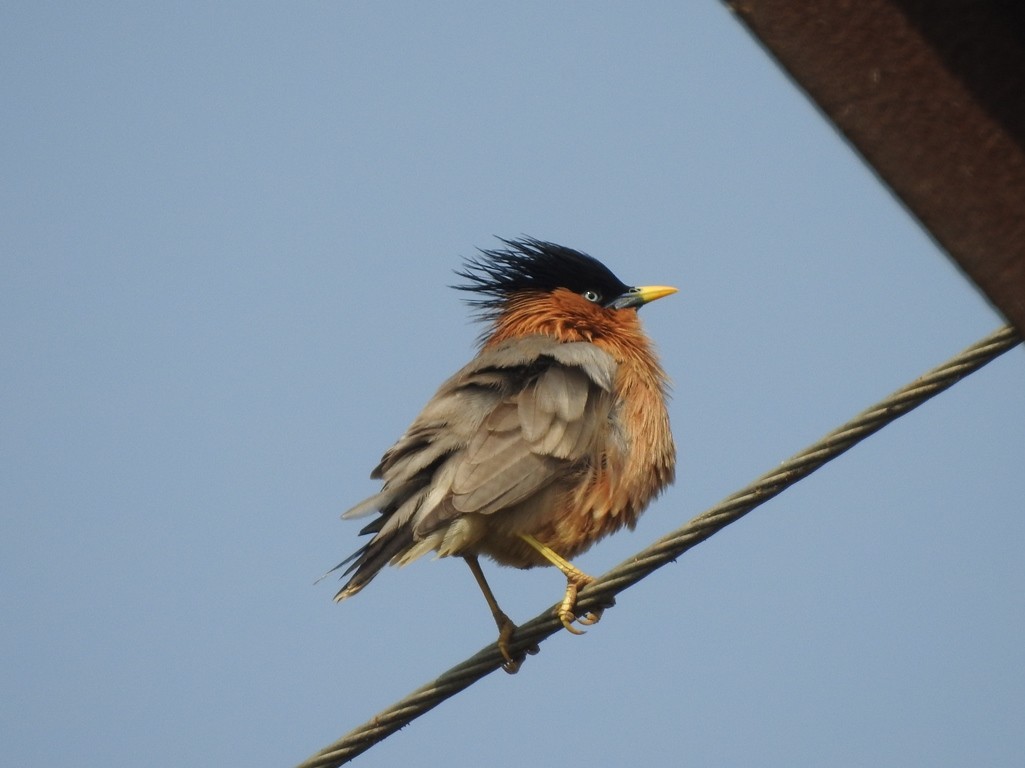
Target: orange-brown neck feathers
(568, 316)
(561, 314)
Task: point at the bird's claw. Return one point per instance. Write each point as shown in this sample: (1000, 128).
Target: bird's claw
(591, 617)
(513, 663)
(512, 666)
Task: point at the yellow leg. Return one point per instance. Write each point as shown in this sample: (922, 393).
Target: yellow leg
(505, 626)
(575, 580)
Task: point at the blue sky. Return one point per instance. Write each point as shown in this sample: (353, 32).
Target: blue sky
(227, 232)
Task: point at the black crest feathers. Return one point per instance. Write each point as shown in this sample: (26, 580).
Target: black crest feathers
(529, 265)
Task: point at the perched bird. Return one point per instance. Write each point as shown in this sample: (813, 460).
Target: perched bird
(555, 435)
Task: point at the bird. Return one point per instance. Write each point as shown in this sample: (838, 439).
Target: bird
(555, 435)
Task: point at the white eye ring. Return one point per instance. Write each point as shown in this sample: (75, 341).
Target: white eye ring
(592, 296)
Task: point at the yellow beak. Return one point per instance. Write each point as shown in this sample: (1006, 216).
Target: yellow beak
(648, 293)
(641, 295)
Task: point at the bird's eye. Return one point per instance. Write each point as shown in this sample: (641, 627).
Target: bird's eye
(593, 296)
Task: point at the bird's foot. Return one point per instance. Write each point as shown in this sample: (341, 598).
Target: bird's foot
(575, 581)
(506, 629)
(567, 609)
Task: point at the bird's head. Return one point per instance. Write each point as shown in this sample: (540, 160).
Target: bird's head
(532, 286)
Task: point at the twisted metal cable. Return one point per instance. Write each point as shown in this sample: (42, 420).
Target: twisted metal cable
(602, 591)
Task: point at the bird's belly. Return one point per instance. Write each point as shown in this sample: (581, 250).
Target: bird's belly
(568, 517)
(566, 529)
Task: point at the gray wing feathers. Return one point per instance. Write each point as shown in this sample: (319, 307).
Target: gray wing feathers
(517, 418)
(526, 442)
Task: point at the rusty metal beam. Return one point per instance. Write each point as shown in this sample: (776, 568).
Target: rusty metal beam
(932, 95)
